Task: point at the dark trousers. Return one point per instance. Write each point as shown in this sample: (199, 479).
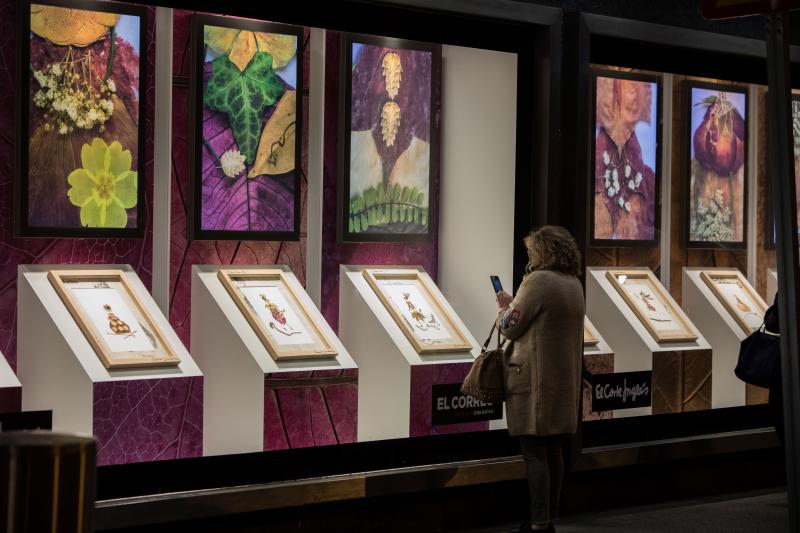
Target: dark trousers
(544, 461)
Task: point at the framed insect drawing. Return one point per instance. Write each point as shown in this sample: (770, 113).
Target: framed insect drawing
(737, 296)
(651, 304)
(416, 306)
(114, 320)
(276, 313)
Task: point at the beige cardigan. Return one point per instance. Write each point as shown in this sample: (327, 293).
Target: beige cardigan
(543, 360)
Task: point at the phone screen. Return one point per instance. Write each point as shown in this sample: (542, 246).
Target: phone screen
(496, 283)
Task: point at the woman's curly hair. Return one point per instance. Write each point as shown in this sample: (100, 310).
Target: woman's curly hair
(553, 248)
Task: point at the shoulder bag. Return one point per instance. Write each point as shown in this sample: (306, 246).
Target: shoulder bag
(485, 379)
(759, 358)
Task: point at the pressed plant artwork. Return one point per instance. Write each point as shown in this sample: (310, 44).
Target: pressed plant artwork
(81, 132)
(276, 311)
(247, 129)
(626, 158)
(718, 146)
(386, 185)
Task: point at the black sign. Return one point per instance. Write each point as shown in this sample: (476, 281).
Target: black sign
(624, 390)
(22, 420)
(451, 406)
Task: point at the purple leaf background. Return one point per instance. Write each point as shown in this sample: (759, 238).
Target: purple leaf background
(263, 203)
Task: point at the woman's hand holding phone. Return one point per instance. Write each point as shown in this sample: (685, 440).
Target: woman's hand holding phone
(503, 300)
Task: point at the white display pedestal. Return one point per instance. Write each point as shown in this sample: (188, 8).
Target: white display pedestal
(57, 365)
(597, 359)
(394, 396)
(723, 333)
(236, 363)
(674, 381)
(772, 285)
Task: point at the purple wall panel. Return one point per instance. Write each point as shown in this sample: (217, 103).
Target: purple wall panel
(336, 253)
(10, 400)
(137, 252)
(312, 414)
(423, 377)
(342, 402)
(147, 420)
(275, 437)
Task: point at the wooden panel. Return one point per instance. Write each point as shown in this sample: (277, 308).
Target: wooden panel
(595, 364)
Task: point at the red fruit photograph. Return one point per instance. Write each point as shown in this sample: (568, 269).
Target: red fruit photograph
(717, 167)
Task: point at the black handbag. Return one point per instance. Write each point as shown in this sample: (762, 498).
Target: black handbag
(759, 358)
(485, 379)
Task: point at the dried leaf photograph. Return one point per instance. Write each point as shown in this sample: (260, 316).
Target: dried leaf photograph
(246, 180)
(388, 162)
(626, 148)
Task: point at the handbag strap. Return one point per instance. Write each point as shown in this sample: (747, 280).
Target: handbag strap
(500, 342)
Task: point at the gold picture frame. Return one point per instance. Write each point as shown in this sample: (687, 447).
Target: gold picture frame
(276, 313)
(748, 307)
(652, 305)
(590, 335)
(442, 335)
(113, 318)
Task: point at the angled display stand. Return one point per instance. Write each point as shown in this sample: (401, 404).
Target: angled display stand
(720, 327)
(772, 285)
(244, 410)
(131, 411)
(400, 388)
(598, 358)
(10, 388)
(681, 368)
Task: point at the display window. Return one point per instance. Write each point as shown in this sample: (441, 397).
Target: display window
(336, 200)
(678, 306)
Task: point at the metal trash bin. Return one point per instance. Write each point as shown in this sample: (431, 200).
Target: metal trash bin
(47, 482)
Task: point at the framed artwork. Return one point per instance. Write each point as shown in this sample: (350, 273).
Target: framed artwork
(651, 304)
(390, 149)
(590, 336)
(278, 316)
(246, 136)
(415, 305)
(770, 235)
(80, 115)
(716, 184)
(113, 318)
(738, 297)
(626, 146)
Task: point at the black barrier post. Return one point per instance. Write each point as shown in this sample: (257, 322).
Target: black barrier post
(781, 181)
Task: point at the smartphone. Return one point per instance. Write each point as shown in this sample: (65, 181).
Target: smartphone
(496, 284)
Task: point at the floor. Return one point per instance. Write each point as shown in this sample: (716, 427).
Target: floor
(762, 513)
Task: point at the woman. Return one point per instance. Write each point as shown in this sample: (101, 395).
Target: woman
(544, 323)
